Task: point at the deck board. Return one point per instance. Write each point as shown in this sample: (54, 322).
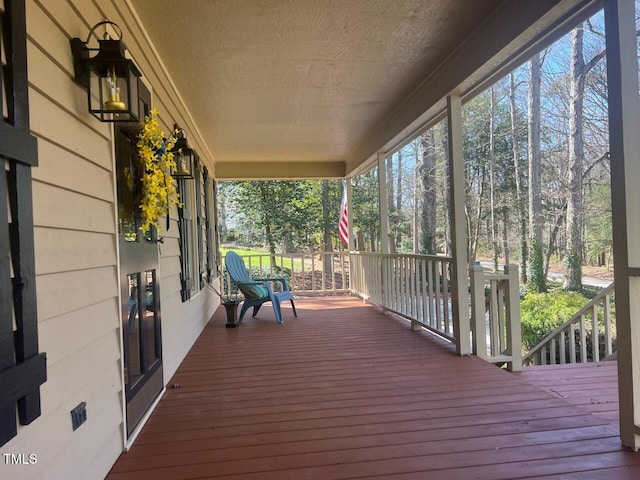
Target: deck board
(592, 387)
(344, 391)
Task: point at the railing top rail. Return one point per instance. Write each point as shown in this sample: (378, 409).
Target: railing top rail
(574, 319)
(495, 276)
(420, 256)
(293, 254)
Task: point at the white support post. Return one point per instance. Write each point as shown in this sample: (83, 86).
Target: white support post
(459, 277)
(478, 314)
(514, 322)
(384, 227)
(624, 145)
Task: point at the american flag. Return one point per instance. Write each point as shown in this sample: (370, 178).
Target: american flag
(343, 224)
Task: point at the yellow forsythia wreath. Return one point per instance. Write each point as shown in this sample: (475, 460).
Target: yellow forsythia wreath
(158, 188)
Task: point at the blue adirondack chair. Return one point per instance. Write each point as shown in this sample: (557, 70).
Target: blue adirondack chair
(257, 292)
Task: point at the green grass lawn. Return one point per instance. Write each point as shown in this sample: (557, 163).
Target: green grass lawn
(281, 260)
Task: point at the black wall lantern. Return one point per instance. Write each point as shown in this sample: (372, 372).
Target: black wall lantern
(184, 155)
(110, 78)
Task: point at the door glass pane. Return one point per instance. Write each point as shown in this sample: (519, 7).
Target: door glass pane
(150, 317)
(134, 363)
(129, 174)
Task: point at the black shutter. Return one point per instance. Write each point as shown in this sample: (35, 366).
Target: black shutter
(215, 244)
(22, 367)
(207, 220)
(184, 227)
(200, 221)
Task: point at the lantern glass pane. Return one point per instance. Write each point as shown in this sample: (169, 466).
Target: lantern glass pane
(110, 95)
(182, 162)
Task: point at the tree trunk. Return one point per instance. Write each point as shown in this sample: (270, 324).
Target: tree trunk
(537, 281)
(573, 259)
(390, 204)
(445, 189)
(271, 244)
(552, 239)
(505, 239)
(426, 170)
(372, 237)
(492, 181)
(326, 227)
(520, 200)
(360, 241)
(473, 223)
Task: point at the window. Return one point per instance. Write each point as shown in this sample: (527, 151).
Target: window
(185, 227)
(195, 220)
(209, 189)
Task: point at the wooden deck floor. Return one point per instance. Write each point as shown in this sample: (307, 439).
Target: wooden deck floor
(592, 387)
(346, 392)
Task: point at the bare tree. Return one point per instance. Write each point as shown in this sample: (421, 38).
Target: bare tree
(520, 199)
(390, 203)
(426, 171)
(575, 214)
(492, 178)
(537, 279)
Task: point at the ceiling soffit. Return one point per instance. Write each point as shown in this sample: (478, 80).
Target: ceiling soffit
(318, 81)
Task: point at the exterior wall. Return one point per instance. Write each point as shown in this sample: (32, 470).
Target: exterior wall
(76, 249)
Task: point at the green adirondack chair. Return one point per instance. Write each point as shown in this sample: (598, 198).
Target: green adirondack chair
(257, 292)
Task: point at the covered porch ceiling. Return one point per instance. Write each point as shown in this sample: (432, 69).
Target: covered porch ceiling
(315, 88)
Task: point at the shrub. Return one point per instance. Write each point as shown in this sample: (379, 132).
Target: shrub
(542, 313)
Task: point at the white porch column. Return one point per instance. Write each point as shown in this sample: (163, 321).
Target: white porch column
(384, 227)
(382, 203)
(459, 275)
(624, 124)
(351, 245)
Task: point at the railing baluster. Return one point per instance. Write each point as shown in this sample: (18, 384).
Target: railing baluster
(552, 352)
(563, 350)
(437, 285)
(583, 340)
(595, 341)
(543, 356)
(423, 297)
(572, 344)
(607, 326)
(493, 317)
(446, 282)
(431, 294)
(414, 279)
(502, 344)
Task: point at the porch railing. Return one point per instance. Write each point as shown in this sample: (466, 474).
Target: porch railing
(495, 316)
(366, 272)
(320, 273)
(570, 342)
(417, 287)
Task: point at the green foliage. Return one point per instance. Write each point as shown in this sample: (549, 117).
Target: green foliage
(598, 222)
(282, 215)
(542, 313)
